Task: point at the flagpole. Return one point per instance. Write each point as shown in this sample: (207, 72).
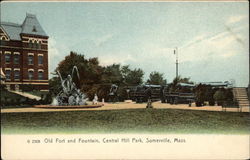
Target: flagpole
(176, 63)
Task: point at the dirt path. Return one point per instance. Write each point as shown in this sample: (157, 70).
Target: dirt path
(123, 105)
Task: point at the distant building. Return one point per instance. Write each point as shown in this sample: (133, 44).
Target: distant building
(24, 54)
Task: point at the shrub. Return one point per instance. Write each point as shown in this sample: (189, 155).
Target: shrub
(200, 94)
(229, 95)
(209, 95)
(211, 103)
(27, 88)
(47, 99)
(219, 97)
(3, 87)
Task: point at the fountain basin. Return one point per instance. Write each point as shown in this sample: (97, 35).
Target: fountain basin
(68, 107)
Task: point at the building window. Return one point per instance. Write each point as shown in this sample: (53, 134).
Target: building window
(16, 74)
(39, 45)
(31, 74)
(8, 75)
(34, 29)
(30, 44)
(7, 58)
(30, 59)
(16, 59)
(3, 38)
(35, 45)
(40, 59)
(40, 75)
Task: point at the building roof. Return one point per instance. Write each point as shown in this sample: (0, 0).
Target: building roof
(13, 30)
(30, 26)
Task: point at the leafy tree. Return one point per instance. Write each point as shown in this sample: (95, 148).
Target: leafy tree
(209, 92)
(132, 77)
(112, 74)
(94, 78)
(220, 96)
(182, 80)
(174, 84)
(54, 85)
(229, 94)
(156, 78)
(200, 94)
(2, 87)
(90, 72)
(73, 59)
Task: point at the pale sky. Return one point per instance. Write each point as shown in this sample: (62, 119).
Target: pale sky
(212, 37)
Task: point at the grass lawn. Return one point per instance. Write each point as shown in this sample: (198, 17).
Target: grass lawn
(11, 100)
(126, 121)
(9, 95)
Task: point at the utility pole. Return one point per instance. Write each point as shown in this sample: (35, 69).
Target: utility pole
(176, 54)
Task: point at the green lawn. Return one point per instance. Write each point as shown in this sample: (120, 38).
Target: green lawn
(127, 121)
(9, 95)
(11, 100)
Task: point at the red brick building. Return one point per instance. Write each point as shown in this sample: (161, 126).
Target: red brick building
(24, 54)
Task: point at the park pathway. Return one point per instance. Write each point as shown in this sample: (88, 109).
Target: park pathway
(118, 106)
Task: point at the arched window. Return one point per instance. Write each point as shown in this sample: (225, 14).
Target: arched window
(40, 75)
(16, 74)
(30, 59)
(8, 74)
(7, 57)
(35, 44)
(3, 40)
(16, 58)
(39, 45)
(30, 44)
(31, 74)
(40, 59)
(34, 29)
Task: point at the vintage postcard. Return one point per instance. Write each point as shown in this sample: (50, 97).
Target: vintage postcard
(124, 80)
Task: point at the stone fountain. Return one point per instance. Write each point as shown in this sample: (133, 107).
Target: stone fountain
(70, 96)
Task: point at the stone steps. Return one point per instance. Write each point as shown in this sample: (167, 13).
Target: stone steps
(240, 94)
(244, 103)
(28, 95)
